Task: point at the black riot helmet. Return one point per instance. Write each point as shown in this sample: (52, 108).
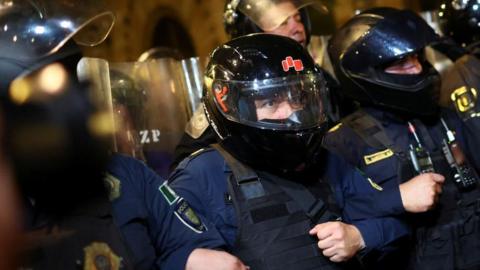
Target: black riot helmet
(243, 17)
(263, 96)
(370, 42)
(460, 20)
(38, 32)
(54, 136)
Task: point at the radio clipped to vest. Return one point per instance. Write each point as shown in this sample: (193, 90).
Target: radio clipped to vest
(420, 157)
(465, 176)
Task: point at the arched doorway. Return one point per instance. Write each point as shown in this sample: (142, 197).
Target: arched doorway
(169, 33)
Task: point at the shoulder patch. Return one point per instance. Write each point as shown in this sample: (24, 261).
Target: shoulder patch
(99, 255)
(333, 129)
(113, 186)
(188, 217)
(170, 196)
(464, 99)
(376, 157)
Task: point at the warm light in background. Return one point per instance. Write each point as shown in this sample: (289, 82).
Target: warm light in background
(53, 78)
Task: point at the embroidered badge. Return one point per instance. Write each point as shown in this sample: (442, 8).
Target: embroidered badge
(463, 99)
(170, 196)
(376, 157)
(99, 256)
(113, 186)
(187, 216)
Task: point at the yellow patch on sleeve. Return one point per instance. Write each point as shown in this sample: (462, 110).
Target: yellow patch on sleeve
(335, 128)
(375, 157)
(374, 185)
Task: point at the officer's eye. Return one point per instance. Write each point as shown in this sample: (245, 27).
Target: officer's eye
(297, 17)
(267, 103)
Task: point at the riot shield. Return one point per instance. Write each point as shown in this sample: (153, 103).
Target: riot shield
(149, 105)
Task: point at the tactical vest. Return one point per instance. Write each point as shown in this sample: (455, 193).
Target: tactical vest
(274, 216)
(446, 237)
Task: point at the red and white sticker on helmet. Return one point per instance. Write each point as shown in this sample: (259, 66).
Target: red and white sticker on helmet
(289, 63)
(221, 94)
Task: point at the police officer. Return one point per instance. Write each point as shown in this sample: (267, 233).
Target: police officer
(57, 158)
(264, 98)
(286, 18)
(400, 132)
(161, 229)
(57, 149)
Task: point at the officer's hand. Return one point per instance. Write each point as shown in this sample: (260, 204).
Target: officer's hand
(420, 193)
(206, 259)
(338, 241)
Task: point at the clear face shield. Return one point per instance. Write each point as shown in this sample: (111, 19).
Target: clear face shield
(44, 26)
(270, 14)
(148, 103)
(287, 103)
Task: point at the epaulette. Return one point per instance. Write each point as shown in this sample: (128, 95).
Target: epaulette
(192, 156)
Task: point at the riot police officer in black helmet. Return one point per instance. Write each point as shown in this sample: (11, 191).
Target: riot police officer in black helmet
(54, 135)
(241, 17)
(264, 97)
(401, 132)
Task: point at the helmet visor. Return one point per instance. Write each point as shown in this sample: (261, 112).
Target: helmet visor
(44, 26)
(286, 103)
(270, 14)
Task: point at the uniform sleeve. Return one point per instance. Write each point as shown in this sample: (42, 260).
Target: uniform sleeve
(382, 235)
(203, 182)
(180, 230)
(377, 204)
(470, 141)
(374, 212)
(358, 197)
(160, 226)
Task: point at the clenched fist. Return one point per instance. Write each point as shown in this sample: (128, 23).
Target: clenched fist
(421, 193)
(337, 240)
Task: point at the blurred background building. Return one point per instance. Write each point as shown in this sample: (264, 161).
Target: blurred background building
(194, 27)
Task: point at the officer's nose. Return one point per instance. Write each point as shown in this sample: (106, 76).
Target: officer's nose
(296, 29)
(285, 109)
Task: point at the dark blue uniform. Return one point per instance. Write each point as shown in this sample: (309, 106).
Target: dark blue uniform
(376, 173)
(159, 226)
(202, 180)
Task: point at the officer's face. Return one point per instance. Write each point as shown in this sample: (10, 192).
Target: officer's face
(276, 108)
(409, 65)
(291, 27)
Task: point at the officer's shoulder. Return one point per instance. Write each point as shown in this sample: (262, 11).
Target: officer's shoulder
(200, 159)
(340, 131)
(120, 163)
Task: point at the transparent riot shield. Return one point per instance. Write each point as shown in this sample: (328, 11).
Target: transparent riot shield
(193, 77)
(149, 106)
